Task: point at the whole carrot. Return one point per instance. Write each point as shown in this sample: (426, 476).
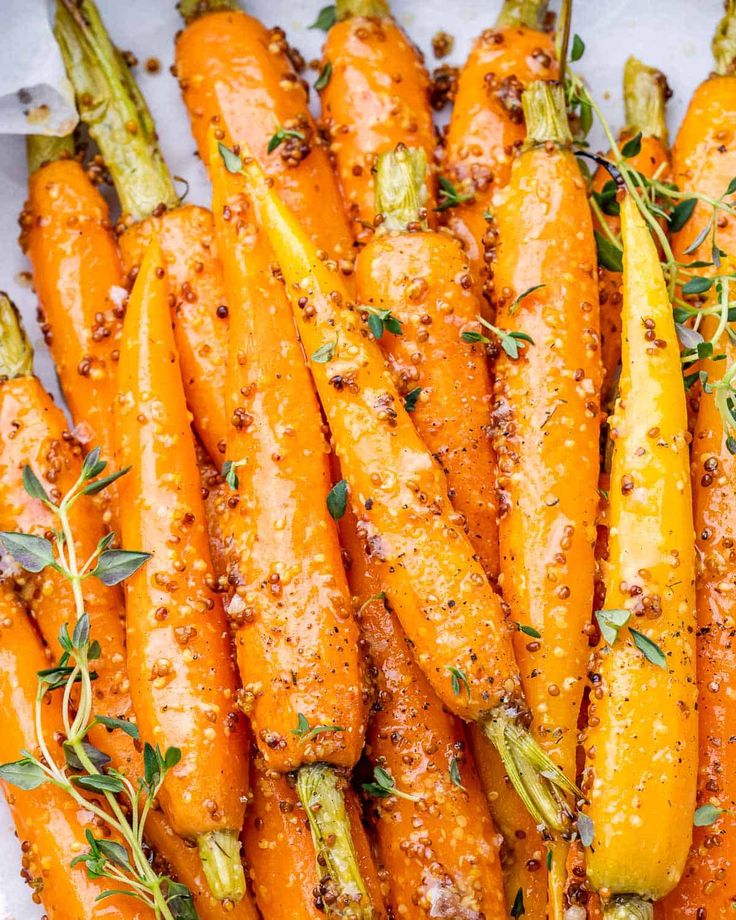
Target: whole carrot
(34, 432)
(237, 75)
(645, 98)
(416, 287)
(119, 122)
(179, 658)
(487, 124)
(375, 97)
(433, 580)
(295, 635)
(704, 162)
(67, 236)
(50, 825)
(641, 771)
(435, 837)
(548, 377)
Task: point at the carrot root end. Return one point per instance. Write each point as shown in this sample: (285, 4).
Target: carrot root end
(628, 907)
(222, 865)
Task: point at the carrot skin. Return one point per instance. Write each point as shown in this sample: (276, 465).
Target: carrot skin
(236, 74)
(179, 658)
(376, 98)
(198, 309)
(423, 279)
(487, 124)
(67, 236)
(295, 634)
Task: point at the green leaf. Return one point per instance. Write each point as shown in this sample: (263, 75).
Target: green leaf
(229, 474)
(650, 650)
(689, 338)
(32, 485)
(280, 136)
(383, 785)
(731, 444)
(455, 773)
(632, 147)
(24, 774)
(53, 678)
(681, 214)
(171, 758)
(94, 488)
(707, 814)
(610, 622)
(108, 892)
(98, 757)
(80, 636)
(92, 465)
(94, 651)
(324, 353)
(375, 324)
(337, 500)
(130, 728)
(586, 831)
(517, 908)
(115, 853)
(697, 285)
(449, 196)
(577, 49)
(699, 240)
(473, 337)
(731, 187)
(326, 19)
(99, 783)
(151, 764)
(704, 349)
(410, 400)
(458, 680)
(30, 552)
(180, 901)
(609, 256)
(233, 163)
(392, 324)
(324, 77)
(302, 726)
(116, 565)
(529, 631)
(549, 860)
(515, 303)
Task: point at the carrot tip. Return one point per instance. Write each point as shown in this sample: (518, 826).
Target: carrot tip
(223, 868)
(628, 907)
(320, 792)
(541, 785)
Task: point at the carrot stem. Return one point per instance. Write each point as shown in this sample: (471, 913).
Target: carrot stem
(401, 189)
(546, 114)
(16, 354)
(374, 9)
(628, 907)
(189, 10)
(223, 867)
(114, 110)
(320, 792)
(724, 41)
(529, 13)
(645, 94)
(42, 149)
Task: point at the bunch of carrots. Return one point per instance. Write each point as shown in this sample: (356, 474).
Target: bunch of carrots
(383, 566)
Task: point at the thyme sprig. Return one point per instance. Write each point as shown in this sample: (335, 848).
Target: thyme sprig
(122, 861)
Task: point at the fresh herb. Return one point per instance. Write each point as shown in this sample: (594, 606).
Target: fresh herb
(85, 768)
(586, 831)
(380, 321)
(632, 147)
(324, 77)
(325, 352)
(528, 631)
(681, 214)
(697, 285)
(510, 342)
(455, 773)
(326, 19)
(707, 815)
(337, 500)
(384, 785)
(577, 50)
(233, 163)
(280, 136)
(517, 300)
(517, 908)
(305, 733)
(609, 255)
(549, 860)
(458, 680)
(610, 622)
(229, 472)
(650, 650)
(410, 400)
(449, 195)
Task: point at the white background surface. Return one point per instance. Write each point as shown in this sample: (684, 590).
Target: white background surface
(673, 35)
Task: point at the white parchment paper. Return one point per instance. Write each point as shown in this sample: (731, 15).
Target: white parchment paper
(673, 35)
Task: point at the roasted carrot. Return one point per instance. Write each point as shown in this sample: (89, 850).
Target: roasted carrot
(34, 432)
(281, 854)
(645, 97)
(435, 837)
(487, 123)
(49, 823)
(705, 162)
(179, 658)
(376, 97)
(420, 281)
(433, 579)
(641, 740)
(68, 238)
(237, 75)
(546, 411)
(118, 120)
